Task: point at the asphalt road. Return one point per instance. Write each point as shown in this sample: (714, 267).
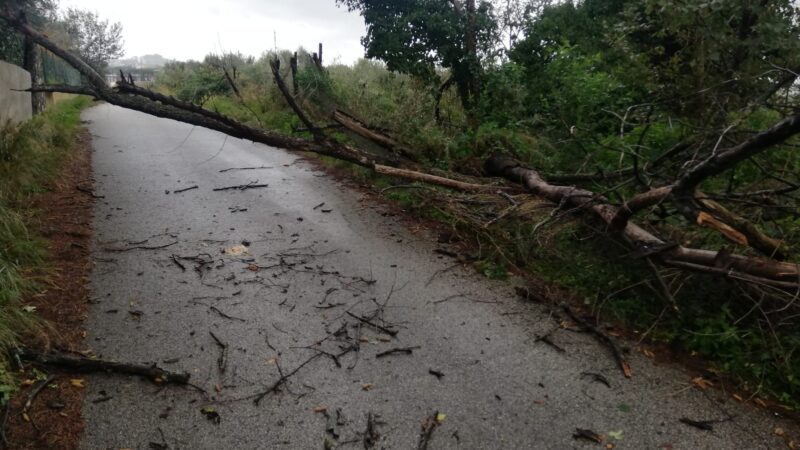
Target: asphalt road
(316, 251)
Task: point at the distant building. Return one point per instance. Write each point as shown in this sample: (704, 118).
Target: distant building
(141, 62)
(140, 76)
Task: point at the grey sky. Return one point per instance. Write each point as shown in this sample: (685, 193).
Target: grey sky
(184, 29)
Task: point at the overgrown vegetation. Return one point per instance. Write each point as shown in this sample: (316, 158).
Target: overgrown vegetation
(592, 88)
(31, 156)
(621, 98)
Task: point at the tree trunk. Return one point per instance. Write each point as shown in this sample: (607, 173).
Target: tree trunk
(33, 64)
(293, 66)
(473, 63)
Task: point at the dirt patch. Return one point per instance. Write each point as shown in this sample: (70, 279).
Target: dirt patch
(53, 420)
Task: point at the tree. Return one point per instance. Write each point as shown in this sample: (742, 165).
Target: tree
(95, 40)
(417, 36)
(712, 59)
(512, 17)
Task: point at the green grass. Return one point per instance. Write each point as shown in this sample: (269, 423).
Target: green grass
(30, 157)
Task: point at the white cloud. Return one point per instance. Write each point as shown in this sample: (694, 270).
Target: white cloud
(190, 29)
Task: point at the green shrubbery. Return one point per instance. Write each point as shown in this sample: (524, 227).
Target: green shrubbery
(30, 157)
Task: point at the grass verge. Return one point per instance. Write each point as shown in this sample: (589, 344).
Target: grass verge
(31, 155)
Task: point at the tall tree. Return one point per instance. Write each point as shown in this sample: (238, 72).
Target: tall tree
(417, 36)
(714, 58)
(96, 41)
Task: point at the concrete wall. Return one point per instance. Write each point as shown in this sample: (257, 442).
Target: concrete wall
(14, 106)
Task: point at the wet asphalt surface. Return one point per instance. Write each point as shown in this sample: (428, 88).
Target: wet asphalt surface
(316, 257)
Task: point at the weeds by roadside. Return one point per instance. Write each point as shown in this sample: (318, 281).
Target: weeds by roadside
(31, 155)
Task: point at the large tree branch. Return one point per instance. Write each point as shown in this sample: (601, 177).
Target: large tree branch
(774, 273)
(588, 177)
(434, 179)
(713, 215)
(718, 162)
(636, 204)
(275, 65)
(171, 108)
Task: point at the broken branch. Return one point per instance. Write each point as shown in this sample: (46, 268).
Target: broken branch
(275, 386)
(86, 365)
(138, 247)
(771, 272)
(241, 187)
(222, 361)
(604, 338)
(405, 350)
(388, 331)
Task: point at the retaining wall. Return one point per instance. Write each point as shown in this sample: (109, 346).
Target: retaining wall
(14, 106)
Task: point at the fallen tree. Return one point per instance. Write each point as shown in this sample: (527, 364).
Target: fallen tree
(129, 96)
(767, 271)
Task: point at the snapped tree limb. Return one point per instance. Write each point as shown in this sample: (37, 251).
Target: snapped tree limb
(774, 273)
(718, 162)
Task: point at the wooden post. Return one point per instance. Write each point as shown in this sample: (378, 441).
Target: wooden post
(319, 55)
(33, 64)
(293, 65)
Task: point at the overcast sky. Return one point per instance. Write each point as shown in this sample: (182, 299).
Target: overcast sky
(190, 29)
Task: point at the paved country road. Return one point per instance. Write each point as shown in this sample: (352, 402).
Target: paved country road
(270, 303)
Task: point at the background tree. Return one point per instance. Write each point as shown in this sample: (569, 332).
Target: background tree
(418, 36)
(37, 13)
(710, 59)
(96, 41)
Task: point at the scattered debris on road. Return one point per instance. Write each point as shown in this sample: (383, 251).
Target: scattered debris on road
(242, 187)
